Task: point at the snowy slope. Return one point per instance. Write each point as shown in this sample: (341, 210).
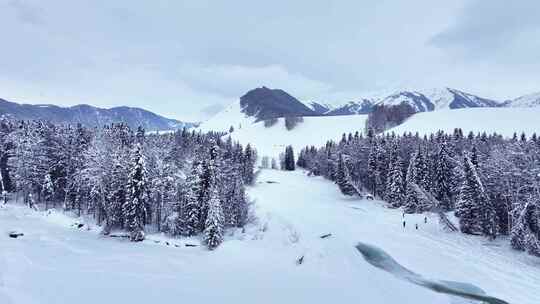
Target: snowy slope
(230, 116)
(54, 263)
(504, 121)
(316, 131)
(526, 101)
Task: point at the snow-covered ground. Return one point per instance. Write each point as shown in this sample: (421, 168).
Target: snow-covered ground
(504, 121)
(271, 141)
(232, 116)
(56, 263)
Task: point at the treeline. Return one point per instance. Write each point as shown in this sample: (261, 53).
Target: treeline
(384, 117)
(491, 182)
(183, 183)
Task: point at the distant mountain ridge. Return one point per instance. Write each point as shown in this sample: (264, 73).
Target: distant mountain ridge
(420, 100)
(438, 99)
(264, 103)
(91, 116)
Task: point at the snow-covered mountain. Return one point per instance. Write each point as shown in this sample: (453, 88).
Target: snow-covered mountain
(320, 108)
(258, 105)
(422, 100)
(264, 103)
(353, 108)
(437, 99)
(526, 101)
(91, 116)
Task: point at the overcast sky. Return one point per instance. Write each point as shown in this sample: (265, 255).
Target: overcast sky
(186, 59)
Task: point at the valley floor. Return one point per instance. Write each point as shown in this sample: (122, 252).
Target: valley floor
(56, 263)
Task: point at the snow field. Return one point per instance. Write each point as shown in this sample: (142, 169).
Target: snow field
(315, 131)
(504, 121)
(56, 263)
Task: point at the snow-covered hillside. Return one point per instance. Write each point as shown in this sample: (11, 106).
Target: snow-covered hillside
(504, 121)
(526, 101)
(56, 263)
(271, 141)
(232, 116)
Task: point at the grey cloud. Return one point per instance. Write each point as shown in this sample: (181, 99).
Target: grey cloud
(179, 57)
(212, 109)
(26, 12)
(484, 28)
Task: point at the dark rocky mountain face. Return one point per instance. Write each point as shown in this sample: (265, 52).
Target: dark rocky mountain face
(264, 103)
(466, 100)
(417, 101)
(91, 116)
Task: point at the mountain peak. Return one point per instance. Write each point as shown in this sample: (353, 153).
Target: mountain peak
(264, 103)
(437, 99)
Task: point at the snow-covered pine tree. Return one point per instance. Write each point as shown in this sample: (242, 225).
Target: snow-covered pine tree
(190, 213)
(476, 214)
(474, 156)
(134, 207)
(265, 162)
(443, 176)
(209, 179)
(372, 168)
(47, 190)
(412, 201)
(289, 159)
(382, 169)
(395, 183)
(273, 164)
(525, 233)
(213, 226)
(343, 179)
(417, 174)
(249, 160)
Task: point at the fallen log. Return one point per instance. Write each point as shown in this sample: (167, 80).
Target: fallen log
(325, 235)
(119, 236)
(190, 245)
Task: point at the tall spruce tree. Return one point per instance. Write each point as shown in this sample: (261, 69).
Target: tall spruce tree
(134, 207)
(343, 178)
(443, 177)
(209, 180)
(289, 159)
(213, 226)
(395, 184)
(190, 213)
(475, 211)
(417, 175)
